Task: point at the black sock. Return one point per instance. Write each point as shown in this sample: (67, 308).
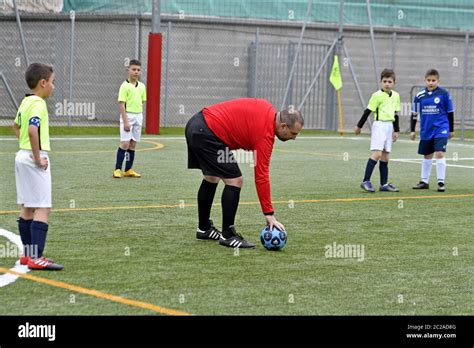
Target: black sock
(39, 230)
(130, 158)
(230, 203)
(383, 167)
(369, 169)
(120, 156)
(205, 197)
(24, 226)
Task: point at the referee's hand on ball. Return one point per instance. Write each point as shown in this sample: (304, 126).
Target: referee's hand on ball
(272, 221)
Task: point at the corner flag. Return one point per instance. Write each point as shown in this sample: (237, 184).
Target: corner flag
(336, 81)
(335, 77)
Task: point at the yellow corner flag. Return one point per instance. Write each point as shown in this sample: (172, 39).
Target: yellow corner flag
(335, 77)
(336, 81)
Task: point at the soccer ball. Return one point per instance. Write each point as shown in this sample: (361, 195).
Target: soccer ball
(273, 240)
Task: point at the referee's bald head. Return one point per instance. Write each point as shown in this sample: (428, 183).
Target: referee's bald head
(291, 116)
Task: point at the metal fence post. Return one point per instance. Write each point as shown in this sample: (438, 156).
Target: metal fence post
(137, 38)
(464, 83)
(9, 90)
(255, 79)
(167, 82)
(372, 40)
(22, 37)
(72, 16)
(394, 48)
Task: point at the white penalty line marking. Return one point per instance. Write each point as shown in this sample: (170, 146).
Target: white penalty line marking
(8, 278)
(303, 137)
(418, 161)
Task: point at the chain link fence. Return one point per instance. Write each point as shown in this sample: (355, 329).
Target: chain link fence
(211, 54)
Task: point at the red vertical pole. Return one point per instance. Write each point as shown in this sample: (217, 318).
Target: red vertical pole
(155, 43)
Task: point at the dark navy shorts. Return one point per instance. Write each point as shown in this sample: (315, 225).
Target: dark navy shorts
(427, 147)
(207, 152)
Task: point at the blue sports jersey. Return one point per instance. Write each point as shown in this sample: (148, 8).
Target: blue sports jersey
(433, 108)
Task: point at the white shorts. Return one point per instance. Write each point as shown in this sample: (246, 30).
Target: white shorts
(33, 184)
(381, 139)
(136, 121)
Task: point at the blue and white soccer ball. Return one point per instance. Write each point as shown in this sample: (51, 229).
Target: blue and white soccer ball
(273, 240)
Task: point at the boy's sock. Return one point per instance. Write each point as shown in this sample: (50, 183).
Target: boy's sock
(230, 203)
(120, 156)
(426, 170)
(441, 169)
(369, 169)
(383, 167)
(130, 158)
(205, 197)
(24, 226)
(39, 230)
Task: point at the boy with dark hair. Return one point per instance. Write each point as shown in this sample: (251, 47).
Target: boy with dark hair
(436, 110)
(32, 167)
(132, 95)
(385, 104)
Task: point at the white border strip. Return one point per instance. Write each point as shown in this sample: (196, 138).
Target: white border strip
(164, 137)
(7, 278)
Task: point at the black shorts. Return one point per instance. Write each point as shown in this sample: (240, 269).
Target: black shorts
(207, 152)
(427, 147)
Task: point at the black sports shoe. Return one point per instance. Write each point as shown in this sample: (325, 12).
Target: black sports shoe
(421, 186)
(441, 187)
(211, 234)
(236, 241)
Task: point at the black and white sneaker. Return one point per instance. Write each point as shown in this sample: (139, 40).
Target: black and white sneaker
(441, 187)
(236, 241)
(211, 234)
(421, 186)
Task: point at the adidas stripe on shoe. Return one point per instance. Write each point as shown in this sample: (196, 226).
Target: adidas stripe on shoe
(211, 234)
(43, 264)
(236, 241)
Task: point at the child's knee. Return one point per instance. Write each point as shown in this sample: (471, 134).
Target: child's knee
(439, 154)
(125, 145)
(376, 155)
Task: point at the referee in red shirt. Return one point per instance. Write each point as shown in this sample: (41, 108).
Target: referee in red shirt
(250, 124)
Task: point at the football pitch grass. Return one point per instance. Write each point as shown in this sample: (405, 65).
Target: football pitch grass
(129, 248)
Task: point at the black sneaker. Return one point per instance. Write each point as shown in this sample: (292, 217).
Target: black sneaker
(421, 186)
(236, 241)
(211, 234)
(441, 187)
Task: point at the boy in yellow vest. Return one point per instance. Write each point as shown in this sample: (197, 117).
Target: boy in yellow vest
(132, 95)
(385, 104)
(33, 167)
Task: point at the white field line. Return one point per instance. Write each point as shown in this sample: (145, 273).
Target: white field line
(164, 137)
(7, 278)
(417, 161)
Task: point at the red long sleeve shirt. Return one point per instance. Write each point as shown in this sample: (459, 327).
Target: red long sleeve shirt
(248, 124)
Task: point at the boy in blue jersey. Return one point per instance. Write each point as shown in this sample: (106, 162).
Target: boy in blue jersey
(435, 107)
